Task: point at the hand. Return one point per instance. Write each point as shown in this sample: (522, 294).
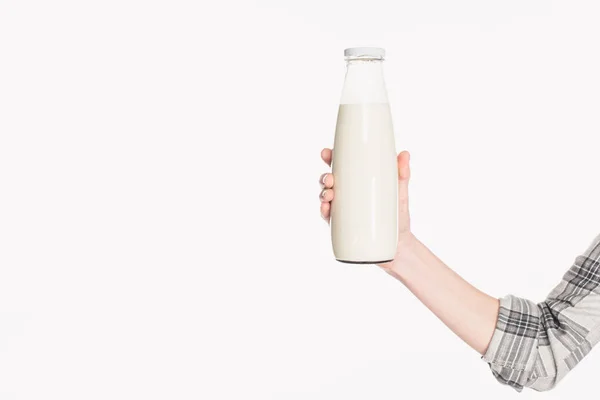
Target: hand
(473, 314)
(404, 234)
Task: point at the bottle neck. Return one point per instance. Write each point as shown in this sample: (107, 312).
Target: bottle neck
(364, 82)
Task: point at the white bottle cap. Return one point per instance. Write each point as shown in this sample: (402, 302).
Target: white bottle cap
(376, 52)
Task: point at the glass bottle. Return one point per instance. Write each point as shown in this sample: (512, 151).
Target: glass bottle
(364, 210)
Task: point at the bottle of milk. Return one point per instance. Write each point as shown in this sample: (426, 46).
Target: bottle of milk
(365, 208)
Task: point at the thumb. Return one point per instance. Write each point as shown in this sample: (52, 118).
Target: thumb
(403, 178)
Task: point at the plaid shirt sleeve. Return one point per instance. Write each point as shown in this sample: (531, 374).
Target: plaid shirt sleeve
(536, 345)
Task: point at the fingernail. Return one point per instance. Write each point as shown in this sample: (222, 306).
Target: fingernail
(323, 177)
(322, 195)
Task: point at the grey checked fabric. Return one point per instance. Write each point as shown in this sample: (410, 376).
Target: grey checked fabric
(536, 345)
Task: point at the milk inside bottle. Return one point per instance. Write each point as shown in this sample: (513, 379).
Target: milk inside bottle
(364, 210)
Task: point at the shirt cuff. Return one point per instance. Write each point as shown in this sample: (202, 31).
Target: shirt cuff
(511, 352)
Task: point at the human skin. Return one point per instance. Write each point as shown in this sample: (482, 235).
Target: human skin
(470, 313)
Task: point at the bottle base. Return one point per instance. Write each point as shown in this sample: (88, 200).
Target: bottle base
(363, 262)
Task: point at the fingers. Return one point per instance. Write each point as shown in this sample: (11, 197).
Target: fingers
(326, 181)
(403, 179)
(325, 209)
(326, 155)
(326, 195)
(404, 166)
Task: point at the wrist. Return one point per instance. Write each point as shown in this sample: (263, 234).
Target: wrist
(405, 255)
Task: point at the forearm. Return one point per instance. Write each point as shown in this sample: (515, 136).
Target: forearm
(468, 312)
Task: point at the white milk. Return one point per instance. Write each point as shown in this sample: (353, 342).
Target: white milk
(364, 209)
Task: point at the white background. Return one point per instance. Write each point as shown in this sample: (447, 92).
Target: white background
(159, 227)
